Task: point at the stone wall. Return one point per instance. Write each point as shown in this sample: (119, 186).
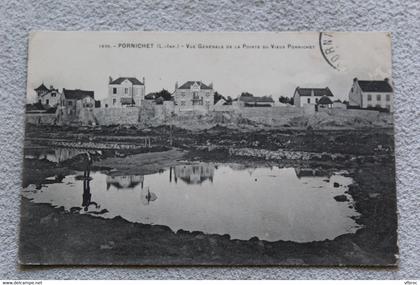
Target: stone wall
(271, 115)
(40, 119)
(115, 116)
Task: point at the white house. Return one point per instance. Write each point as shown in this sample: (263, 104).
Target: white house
(47, 96)
(125, 92)
(372, 93)
(194, 96)
(303, 96)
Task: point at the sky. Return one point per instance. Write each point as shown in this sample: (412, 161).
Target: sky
(233, 62)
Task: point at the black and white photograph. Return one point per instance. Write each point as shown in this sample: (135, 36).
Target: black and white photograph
(209, 148)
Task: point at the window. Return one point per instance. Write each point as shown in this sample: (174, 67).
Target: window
(388, 97)
(309, 100)
(126, 90)
(378, 97)
(70, 103)
(106, 105)
(369, 97)
(316, 100)
(388, 107)
(114, 101)
(114, 90)
(182, 103)
(47, 101)
(53, 94)
(182, 94)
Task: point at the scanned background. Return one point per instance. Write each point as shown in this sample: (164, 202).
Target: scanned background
(401, 18)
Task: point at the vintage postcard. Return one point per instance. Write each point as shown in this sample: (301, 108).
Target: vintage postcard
(198, 148)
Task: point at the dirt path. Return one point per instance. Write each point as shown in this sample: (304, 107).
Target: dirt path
(141, 164)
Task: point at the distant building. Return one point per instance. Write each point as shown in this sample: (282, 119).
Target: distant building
(125, 92)
(76, 106)
(249, 100)
(194, 96)
(47, 96)
(303, 96)
(372, 93)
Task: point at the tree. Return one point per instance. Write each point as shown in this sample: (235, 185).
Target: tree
(286, 100)
(217, 97)
(246, 94)
(164, 94)
(229, 100)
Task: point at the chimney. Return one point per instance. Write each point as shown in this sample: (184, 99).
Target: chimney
(355, 79)
(386, 79)
(176, 85)
(51, 87)
(110, 79)
(144, 80)
(211, 85)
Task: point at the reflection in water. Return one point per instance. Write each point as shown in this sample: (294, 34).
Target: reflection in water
(57, 155)
(124, 181)
(308, 172)
(269, 203)
(87, 196)
(194, 173)
(147, 196)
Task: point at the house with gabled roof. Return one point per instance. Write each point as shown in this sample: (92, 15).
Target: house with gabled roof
(372, 93)
(125, 92)
(193, 96)
(303, 96)
(76, 106)
(49, 97)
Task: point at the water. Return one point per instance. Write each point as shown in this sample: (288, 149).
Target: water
(269, 203)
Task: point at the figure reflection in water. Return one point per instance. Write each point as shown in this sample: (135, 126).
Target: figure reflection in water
(87, 197)
(147, 196)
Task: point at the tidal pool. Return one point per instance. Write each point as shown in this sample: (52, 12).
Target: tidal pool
(269, 203)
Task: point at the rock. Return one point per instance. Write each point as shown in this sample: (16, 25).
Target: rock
(373, 195)
(181, 231)
(75, 210)
(46, 219)
(341, 198)
(254, 239)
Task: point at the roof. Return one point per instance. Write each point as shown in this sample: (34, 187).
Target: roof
(127, 101)
(188, 84)
(249, 99)
(316, 91)
(375, 85)
(325, 101)
(41, 87)
(120, 80)
(77, 94)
